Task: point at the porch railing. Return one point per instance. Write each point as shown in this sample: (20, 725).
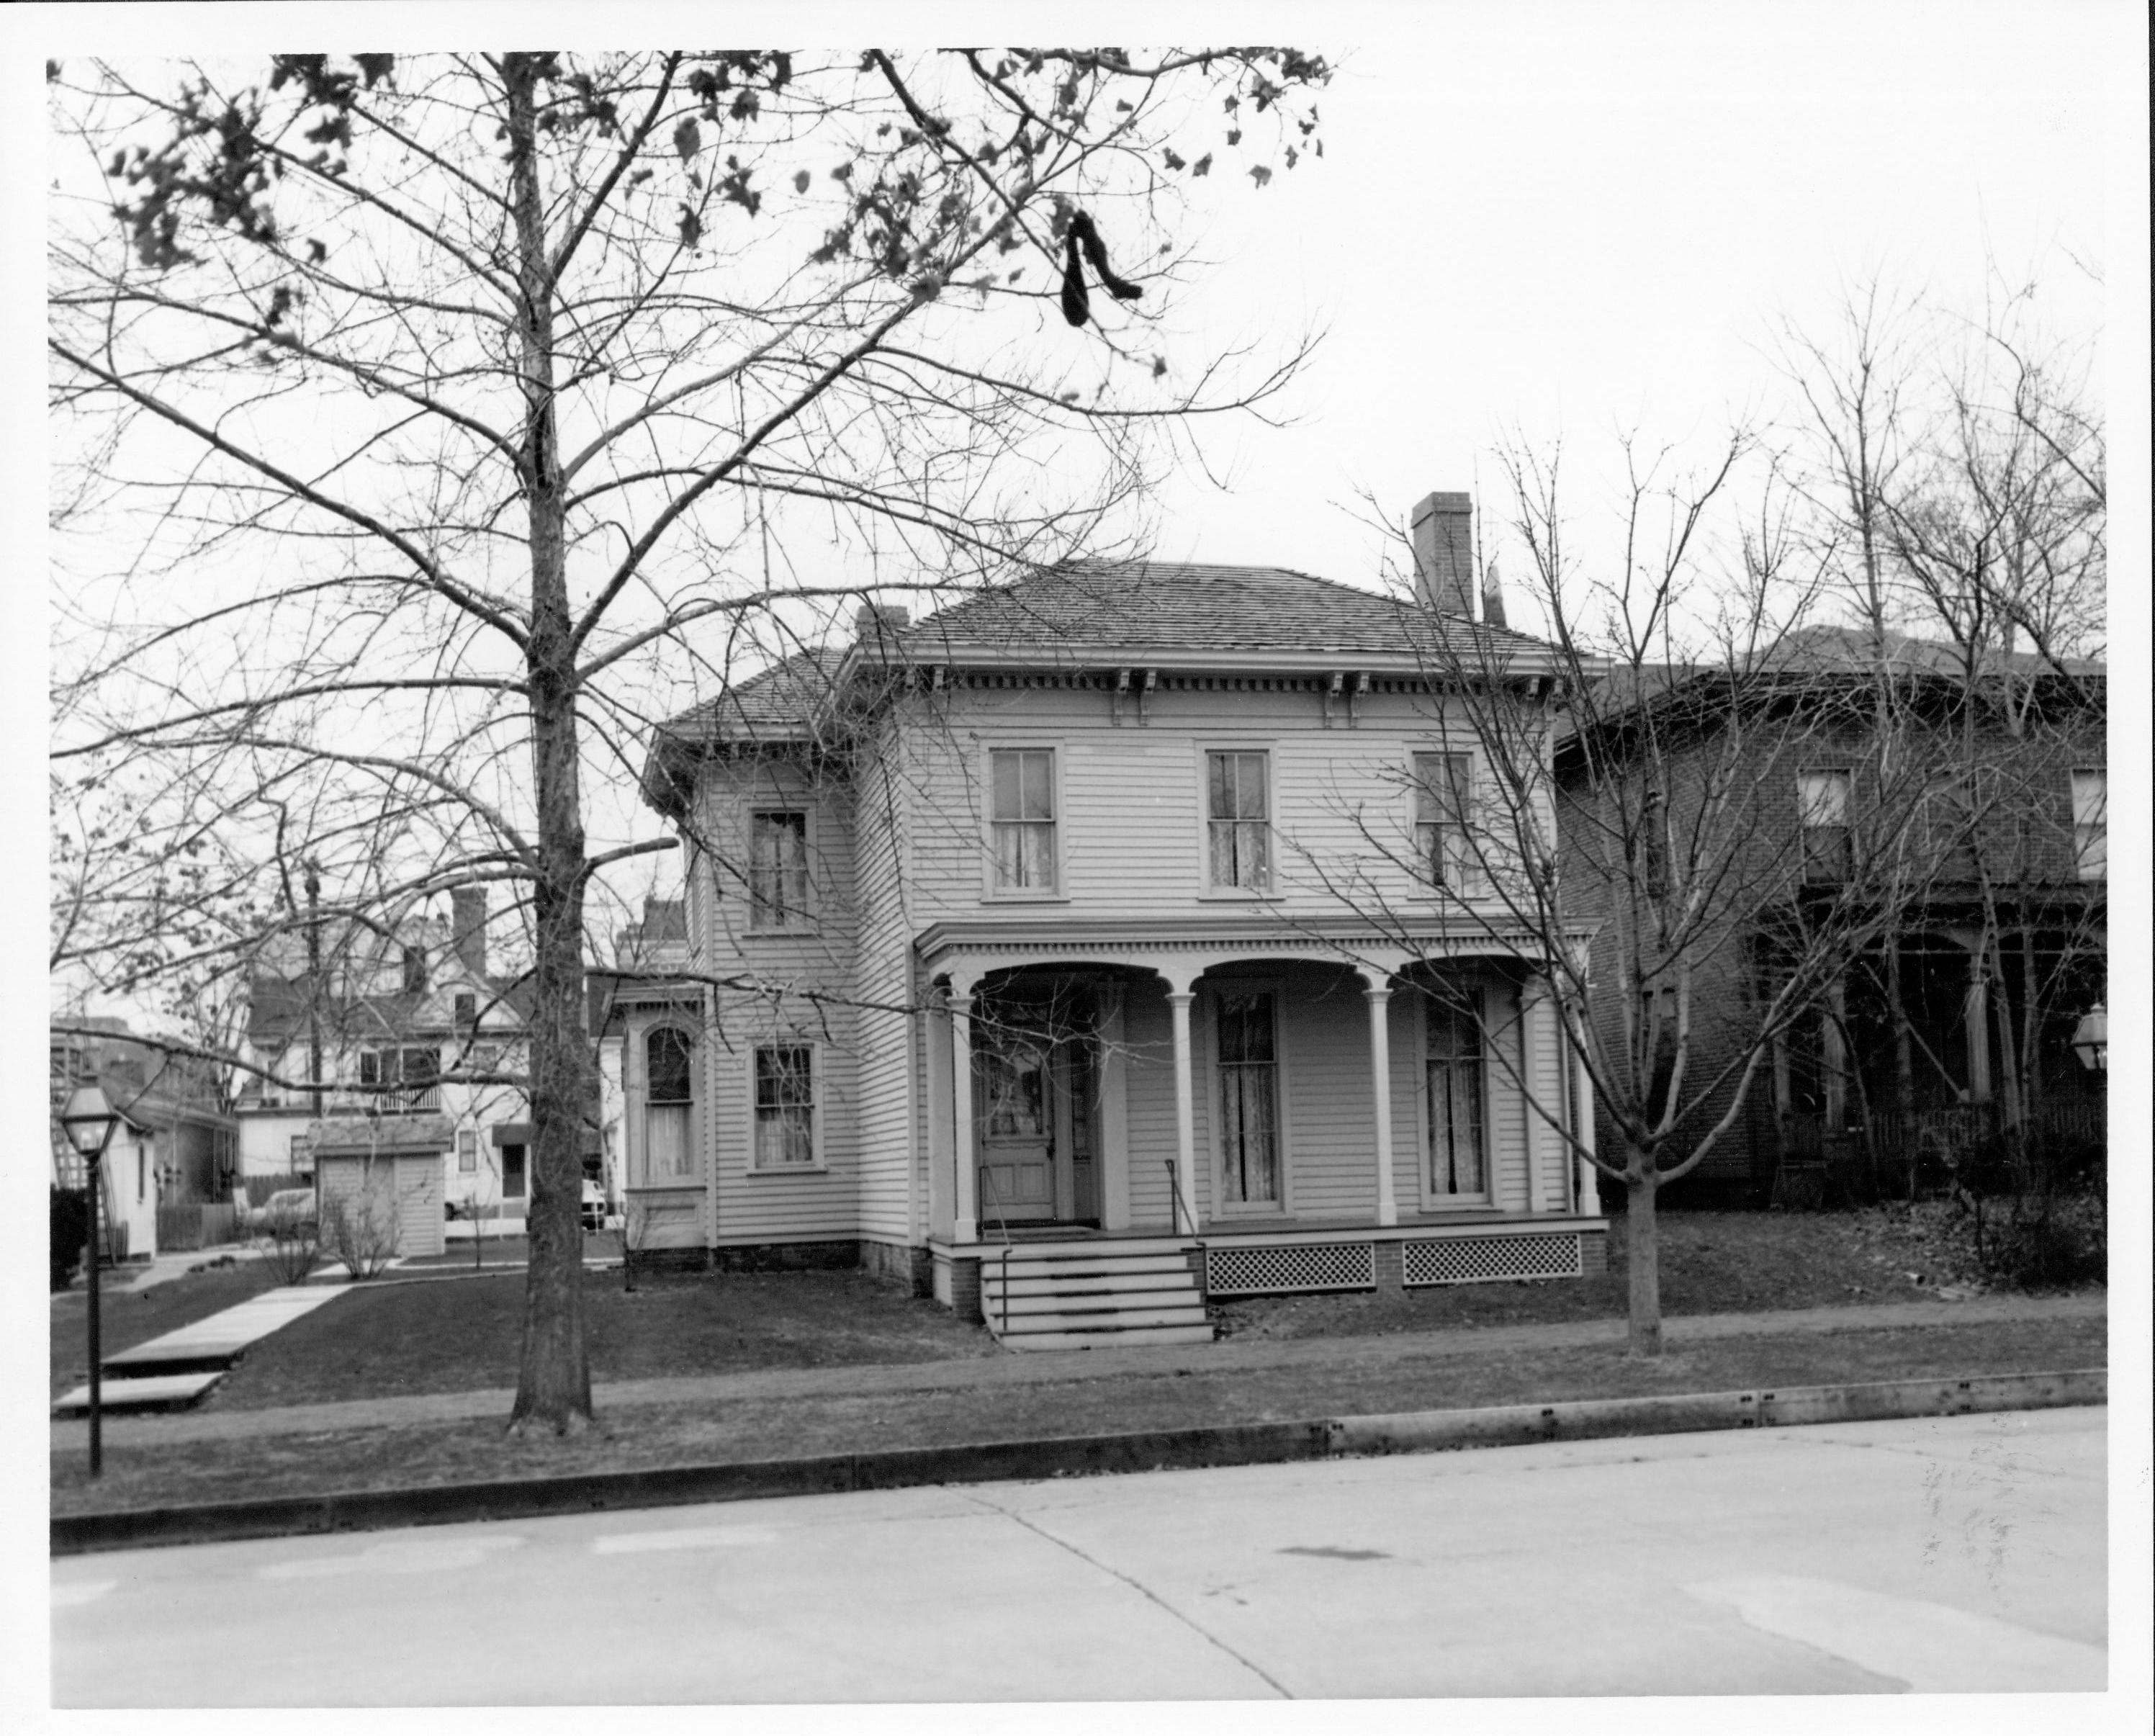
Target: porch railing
(1922, 1145)
(996, 1200)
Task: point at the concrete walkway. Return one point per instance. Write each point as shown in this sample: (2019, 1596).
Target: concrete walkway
(1050, 1367)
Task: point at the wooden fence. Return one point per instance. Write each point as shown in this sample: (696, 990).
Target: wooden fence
(181, 1229)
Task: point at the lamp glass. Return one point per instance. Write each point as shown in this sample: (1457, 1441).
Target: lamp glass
(87, 1117)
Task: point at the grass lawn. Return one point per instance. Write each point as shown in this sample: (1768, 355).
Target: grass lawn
(456, 1335)
(647, 1435)
(126, 1318)
(1712, 1262)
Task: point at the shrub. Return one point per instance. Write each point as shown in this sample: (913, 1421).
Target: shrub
(70, 1233)
(362, 1231)
(294, 1245)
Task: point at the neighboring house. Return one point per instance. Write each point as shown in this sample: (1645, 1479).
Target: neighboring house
(392, 1024)
(1118, 908)
(650, 976)
(174, 1146)
(1990, 853)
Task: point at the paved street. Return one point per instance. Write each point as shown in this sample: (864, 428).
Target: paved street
(1963, 1554)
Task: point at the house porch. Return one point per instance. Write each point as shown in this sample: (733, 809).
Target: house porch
(1290, 1111)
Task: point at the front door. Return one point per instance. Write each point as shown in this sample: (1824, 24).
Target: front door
(1015, 1103)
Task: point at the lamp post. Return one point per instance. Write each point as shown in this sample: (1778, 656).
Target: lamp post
(87, 1120)
(2092, 1039)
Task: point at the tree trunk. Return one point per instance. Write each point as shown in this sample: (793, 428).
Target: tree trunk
(1643, 1255)
(554, 1383)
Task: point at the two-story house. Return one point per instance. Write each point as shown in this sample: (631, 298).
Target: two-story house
(1106, 940)
(402, 1022)
(1961, 797)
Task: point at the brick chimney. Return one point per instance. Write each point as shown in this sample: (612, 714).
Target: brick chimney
(468, 927)
(1443, 530)
(876, 621)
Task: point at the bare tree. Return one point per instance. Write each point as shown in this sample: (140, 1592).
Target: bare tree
(1634, 835)
(456, 419)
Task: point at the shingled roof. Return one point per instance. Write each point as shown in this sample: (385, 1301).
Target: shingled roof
(1127, 605)
(1096, 613)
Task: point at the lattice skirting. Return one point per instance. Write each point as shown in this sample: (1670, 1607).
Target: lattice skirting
(1487, 1259)
(1268, 1271)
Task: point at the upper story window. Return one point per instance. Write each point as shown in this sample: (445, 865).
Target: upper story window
(2091, 824)
(1443, 793)
(415, 970)
(466, 1012)
(402, 1078)
(1822, 810)
(669, 1148)
(778, 868)
(1021, 817)
(1238, 820)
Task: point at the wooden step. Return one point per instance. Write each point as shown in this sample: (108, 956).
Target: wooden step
(1105, 1308)
(1018, 1265)
(1020, 1281)
(1102, 1340)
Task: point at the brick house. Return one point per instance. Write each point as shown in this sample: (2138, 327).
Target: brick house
(1102, 941)
(1987, 850)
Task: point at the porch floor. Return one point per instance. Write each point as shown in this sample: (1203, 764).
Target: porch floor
(1276, 1229)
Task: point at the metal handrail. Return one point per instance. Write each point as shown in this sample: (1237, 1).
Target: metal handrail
(995, 1199)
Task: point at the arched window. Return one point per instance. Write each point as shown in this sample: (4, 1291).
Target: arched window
(669, 1149)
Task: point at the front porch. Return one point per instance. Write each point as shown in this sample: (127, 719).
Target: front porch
(1283, 1111)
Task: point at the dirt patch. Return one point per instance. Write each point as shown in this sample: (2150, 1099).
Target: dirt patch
(460, 1336)
(646, 1436)
(1711, 1263)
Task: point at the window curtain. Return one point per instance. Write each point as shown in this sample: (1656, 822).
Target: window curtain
(1249, 1099)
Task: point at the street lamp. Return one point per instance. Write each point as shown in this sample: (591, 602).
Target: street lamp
(2092, 1039)
(87, 1120)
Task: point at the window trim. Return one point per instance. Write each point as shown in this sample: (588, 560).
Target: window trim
(1052, 747)
(639, 1096)
(1424, 1122)
(786, 1040)
(2091, 857)
(1215, 1102)
(1476, 878)
(756, 929)
(1206, 746)
(1805, 826)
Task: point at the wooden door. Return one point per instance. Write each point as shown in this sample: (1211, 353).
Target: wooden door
(1015, 1101)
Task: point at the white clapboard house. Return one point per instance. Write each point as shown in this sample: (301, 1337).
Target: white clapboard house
(1106, 940)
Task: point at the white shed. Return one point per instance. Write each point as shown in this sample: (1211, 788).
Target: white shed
(390, 1167)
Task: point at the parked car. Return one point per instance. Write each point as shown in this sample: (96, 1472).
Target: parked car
(594, 1207)
(293, 1206)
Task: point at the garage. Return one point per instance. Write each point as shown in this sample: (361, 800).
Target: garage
(386, 1173)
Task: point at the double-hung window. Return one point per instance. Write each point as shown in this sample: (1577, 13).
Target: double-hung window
(1021, 818)
(2091, 824)
(1458, 1167)
(778, 868)
(669, 1149)
(784, 1106)
(1444, 790)
(1822, 809)
(1249, 1101)
(1238, 820)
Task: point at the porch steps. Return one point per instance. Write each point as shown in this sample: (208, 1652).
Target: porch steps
(1059, 1296)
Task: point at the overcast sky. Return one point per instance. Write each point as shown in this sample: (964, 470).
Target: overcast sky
(1562, 217)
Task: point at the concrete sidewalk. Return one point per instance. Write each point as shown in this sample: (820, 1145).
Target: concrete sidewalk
(1050, 1367)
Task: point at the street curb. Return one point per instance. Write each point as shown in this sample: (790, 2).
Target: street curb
(1072, 1456)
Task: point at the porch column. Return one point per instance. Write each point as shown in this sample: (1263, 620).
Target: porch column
(965, 1222)
(1975, 1016)
(1545, 1187)
(1381, 1085)
(942, 1207)
(1112, 1137)
(1178, 997)
(1589, 1194)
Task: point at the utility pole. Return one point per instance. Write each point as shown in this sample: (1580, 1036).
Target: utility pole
(314, 985)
